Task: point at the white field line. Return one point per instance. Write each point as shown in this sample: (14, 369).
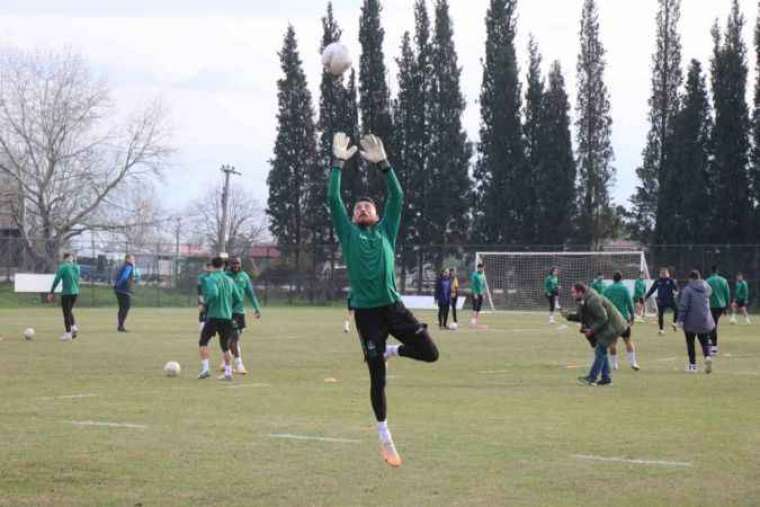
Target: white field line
(68, 397)
(109, 424)
(632, 461)
(240, 386)
(290, 436)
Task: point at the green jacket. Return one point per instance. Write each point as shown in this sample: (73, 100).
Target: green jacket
(598, 314)
(620, 296)
(742, 291)
(220, 294)
(477, 283)
(639, 289)
(551, 285)
(245, 287)
(68, 273)
(369, 252)
(598, 285)
(721, 294)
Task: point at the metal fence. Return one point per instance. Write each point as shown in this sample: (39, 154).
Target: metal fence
(315, 274)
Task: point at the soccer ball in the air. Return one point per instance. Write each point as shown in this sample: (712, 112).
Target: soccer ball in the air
(453, 326)
(336, 59)
(172, 369)
(29, 333)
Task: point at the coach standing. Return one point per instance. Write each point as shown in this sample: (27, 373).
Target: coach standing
(125, 281)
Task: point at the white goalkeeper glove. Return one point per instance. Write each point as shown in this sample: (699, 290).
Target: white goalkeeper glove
(373, 150)
(341, 147)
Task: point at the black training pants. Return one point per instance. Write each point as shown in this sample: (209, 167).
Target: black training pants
(125, 302)
(443, 314)
(661, 313)
(374, 326)
(67, 305)
(704, 340)
(716, 314)
(454, 308)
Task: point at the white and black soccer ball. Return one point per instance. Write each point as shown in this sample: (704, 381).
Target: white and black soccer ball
(453, 326)
(172, 369)
(336, 59)
(29, 333)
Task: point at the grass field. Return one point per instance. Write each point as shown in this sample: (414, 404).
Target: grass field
(499, 420)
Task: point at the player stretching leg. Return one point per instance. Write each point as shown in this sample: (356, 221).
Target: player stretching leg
(619, 295)
(68, 274)
(551, 289)
(639, 290)
(478, 287)
(220, 295)
(719, 299)
(667, 289)
(245, 288)
(368, 245)
(741, 299)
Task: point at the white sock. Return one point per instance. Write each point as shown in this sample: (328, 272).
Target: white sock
(612, 358)
(204, 365)
(227, 369)
(631, 357)
(238, 361)
(391, 350)
(383, 432)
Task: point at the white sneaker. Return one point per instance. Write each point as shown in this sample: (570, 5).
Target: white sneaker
(661, 332)
(346, 327)
(635, 366)
(733, 320)
(713, 351)
(708, 365)
(692, 368)
(66, 337)
(551, 320)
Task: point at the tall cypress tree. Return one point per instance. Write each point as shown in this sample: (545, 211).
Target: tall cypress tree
(501, 149)
(533, 128)
(755, 155)
(295, 152)
(685, 187)
(594, 128)
(450, 152)
(667, 77)
(732, 206)
(555, 165)
(374, 97)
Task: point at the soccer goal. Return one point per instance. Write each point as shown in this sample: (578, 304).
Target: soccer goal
(515, 280)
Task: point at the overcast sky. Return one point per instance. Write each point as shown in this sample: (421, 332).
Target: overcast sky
(215, 64)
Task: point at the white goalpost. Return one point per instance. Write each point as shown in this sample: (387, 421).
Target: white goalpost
(515, 280)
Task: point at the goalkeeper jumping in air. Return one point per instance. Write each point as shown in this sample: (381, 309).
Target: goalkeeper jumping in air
(368, 244)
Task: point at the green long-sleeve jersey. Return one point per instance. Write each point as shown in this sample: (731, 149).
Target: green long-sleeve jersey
(477, 283)
(620, 296)
(598, 285)
(721, 294)
(369, 251)
(639, 289)
(245, 287)
(221, 295)
(551, 285)
(742, 291)
(68, 274)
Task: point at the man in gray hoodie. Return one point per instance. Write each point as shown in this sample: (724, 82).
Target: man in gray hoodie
(695, 319)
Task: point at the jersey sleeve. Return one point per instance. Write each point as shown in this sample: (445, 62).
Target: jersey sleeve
(250, 293)
(56, 280)
(393, 204)
(337, 207)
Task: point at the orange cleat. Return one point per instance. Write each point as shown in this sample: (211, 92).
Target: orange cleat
(390, 454)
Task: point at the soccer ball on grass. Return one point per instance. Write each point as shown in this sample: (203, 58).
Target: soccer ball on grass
(172, 369)
(29, 333)
(453, 326)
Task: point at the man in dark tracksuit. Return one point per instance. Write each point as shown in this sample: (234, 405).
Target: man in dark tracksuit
(368, 245)
(125, 281)
(443, 298)
(667, 290)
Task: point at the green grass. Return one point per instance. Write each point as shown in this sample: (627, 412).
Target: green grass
(497, 421)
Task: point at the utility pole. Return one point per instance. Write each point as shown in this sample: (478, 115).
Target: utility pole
(227, 170)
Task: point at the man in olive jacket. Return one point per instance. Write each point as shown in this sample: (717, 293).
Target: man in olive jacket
(602, 324)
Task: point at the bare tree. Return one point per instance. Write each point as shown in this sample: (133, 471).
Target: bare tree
(246, 222)
(60, 144)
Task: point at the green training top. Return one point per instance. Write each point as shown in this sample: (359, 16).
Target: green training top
(68, 273)
(639, 289)
(620, 296)
(369, 251)
(598, 285)
(245, 287)
(220, 294)
(721, 294)
(551, 284)
(742, 291)
(477, 283)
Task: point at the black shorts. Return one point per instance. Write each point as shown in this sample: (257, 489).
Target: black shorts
(223, 327)
(626, 334)
(639, 301)
(477, 302)
(740, 303)
(238, 320)
(375, 324)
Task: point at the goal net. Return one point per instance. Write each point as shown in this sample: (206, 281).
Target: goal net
(515, 280)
